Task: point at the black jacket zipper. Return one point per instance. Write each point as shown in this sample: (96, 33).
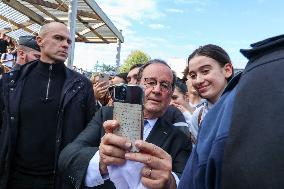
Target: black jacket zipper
(48, 84)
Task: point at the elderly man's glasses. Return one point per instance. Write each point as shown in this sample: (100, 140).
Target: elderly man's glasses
(165, 86)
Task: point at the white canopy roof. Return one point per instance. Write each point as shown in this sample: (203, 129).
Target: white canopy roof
(25, 17)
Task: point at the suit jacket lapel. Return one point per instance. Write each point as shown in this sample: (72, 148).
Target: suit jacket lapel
(159, 132)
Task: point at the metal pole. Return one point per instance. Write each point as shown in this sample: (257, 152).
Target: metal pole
(72, 14)
(118, 49)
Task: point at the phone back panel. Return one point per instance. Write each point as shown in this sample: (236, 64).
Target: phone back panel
(130, 118)
(129, 113)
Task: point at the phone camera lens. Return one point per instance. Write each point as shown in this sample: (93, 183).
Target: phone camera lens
(121, 93)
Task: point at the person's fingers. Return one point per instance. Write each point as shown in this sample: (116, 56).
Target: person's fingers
(101, 91)
(112, 159)
(100, 84)
(118, 141)
(104, 89)
(152, 149)
(95, 85)
(98, 87)
(150, 161)
(109, 160)
(154, 184)
(113, 151)
(178, 104)
(152, 178)
(101, 94)
(181, 108)
(103, 84)
(148, 172)
(174, 103)
(155, 174)
(110, 125)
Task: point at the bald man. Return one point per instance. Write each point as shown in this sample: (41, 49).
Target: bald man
(45, 107)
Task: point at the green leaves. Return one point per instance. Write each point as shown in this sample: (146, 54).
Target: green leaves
(135, 57)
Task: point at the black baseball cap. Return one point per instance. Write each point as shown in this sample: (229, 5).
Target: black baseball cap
(29, 41)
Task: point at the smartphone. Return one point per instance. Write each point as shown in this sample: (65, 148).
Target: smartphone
(103, 77)
(128, 111)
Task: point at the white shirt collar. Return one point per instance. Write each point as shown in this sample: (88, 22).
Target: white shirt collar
(148, 127)
(152, 122)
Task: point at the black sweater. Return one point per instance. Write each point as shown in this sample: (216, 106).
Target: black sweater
(39, 106)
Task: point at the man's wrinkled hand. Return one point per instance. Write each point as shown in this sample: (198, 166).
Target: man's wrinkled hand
(112, 148)
(157, 173)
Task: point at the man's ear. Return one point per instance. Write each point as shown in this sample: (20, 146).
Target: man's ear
(39, 41)
(228, 69)
(21, 54)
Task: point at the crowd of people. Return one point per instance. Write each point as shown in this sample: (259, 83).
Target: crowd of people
(209, 129)
(7, 53)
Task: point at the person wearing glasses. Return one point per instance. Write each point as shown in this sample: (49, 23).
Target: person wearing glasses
(173, 114)
(163, 150)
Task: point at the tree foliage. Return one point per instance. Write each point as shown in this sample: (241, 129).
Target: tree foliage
(135, 57)
(104, 68)
(108, 68)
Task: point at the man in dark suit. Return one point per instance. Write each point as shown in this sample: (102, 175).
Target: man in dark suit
(165, 150)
